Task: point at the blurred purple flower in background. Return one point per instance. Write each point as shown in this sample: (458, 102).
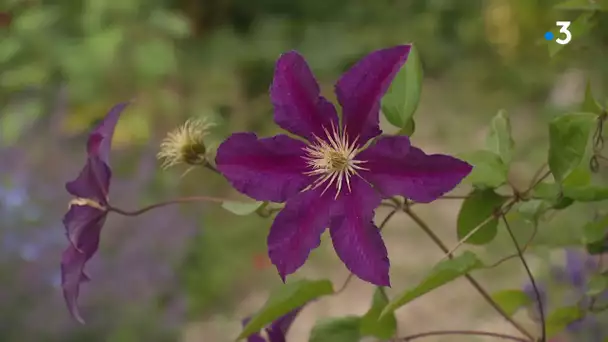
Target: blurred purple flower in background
(334, 178)
(574, 275)
(277, 331)
(87, 212)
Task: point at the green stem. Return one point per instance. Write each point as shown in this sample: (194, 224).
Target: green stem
(520, 254)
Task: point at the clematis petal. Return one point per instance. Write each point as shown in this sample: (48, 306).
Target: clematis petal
(268, 169)
(356, 238)
(277, 331)
(361, 88)
(93, 182)
(100, 139)
(72, 266)
(575, 269)
(77, 222)
(298, 106)
(297, 229)
(396, 168)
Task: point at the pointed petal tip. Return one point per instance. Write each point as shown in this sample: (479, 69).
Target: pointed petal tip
(378, 279)
(295, 94)
(71, 300)
(360, 89)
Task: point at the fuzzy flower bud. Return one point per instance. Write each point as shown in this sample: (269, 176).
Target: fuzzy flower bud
(186, 144)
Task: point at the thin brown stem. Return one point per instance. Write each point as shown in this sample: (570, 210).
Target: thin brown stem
(471, 280)
(535, 181)
(513, 256)
(536, 176)
(459, 332)
(164, 204)
(520, 254)
(345, 284)
(388, 205)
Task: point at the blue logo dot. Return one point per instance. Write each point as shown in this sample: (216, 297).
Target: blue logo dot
(549, 36)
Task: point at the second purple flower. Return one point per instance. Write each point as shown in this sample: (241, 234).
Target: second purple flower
(337, 175)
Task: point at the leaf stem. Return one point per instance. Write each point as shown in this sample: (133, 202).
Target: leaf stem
(164, 204)
(471, 280)
(459, 332)
(520, 254)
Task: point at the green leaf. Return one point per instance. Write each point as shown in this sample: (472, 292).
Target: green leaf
(568, 138)
(408, 129)
(102, 48)
(597, 248)
(372, 325)
(590, 105)
(24, 76)
(343, 329)
(34, 20)
(499, 139)
(479, 206)
(584, 5)
(557, 320)
(489, 171)
(443, 273)
(154, 58)
(532, 210)
(171, 23)
(9, 48)
(595, 231)
(552, 194)
(590, 193)
(242, 208)
(511, 300)
(286, 299)
(597, 284)
(401, 100)
(16, 119)
(579, 27)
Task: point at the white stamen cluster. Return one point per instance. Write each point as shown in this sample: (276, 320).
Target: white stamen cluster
(333, 160)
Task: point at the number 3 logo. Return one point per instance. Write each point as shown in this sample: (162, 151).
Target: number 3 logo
(564, 25)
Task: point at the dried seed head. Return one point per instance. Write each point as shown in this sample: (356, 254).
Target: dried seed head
(186, 145)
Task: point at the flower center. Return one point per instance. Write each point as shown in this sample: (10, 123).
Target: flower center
(333, 160)
(86, 202)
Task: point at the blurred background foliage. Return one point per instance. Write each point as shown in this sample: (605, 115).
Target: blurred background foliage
(63, 64)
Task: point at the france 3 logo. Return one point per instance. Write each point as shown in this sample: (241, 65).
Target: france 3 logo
(564, 35)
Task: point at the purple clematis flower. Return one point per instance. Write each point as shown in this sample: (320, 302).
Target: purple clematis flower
(578, 268)
(575, 274)
(277, 331)
(338, 173)
(87, 212)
